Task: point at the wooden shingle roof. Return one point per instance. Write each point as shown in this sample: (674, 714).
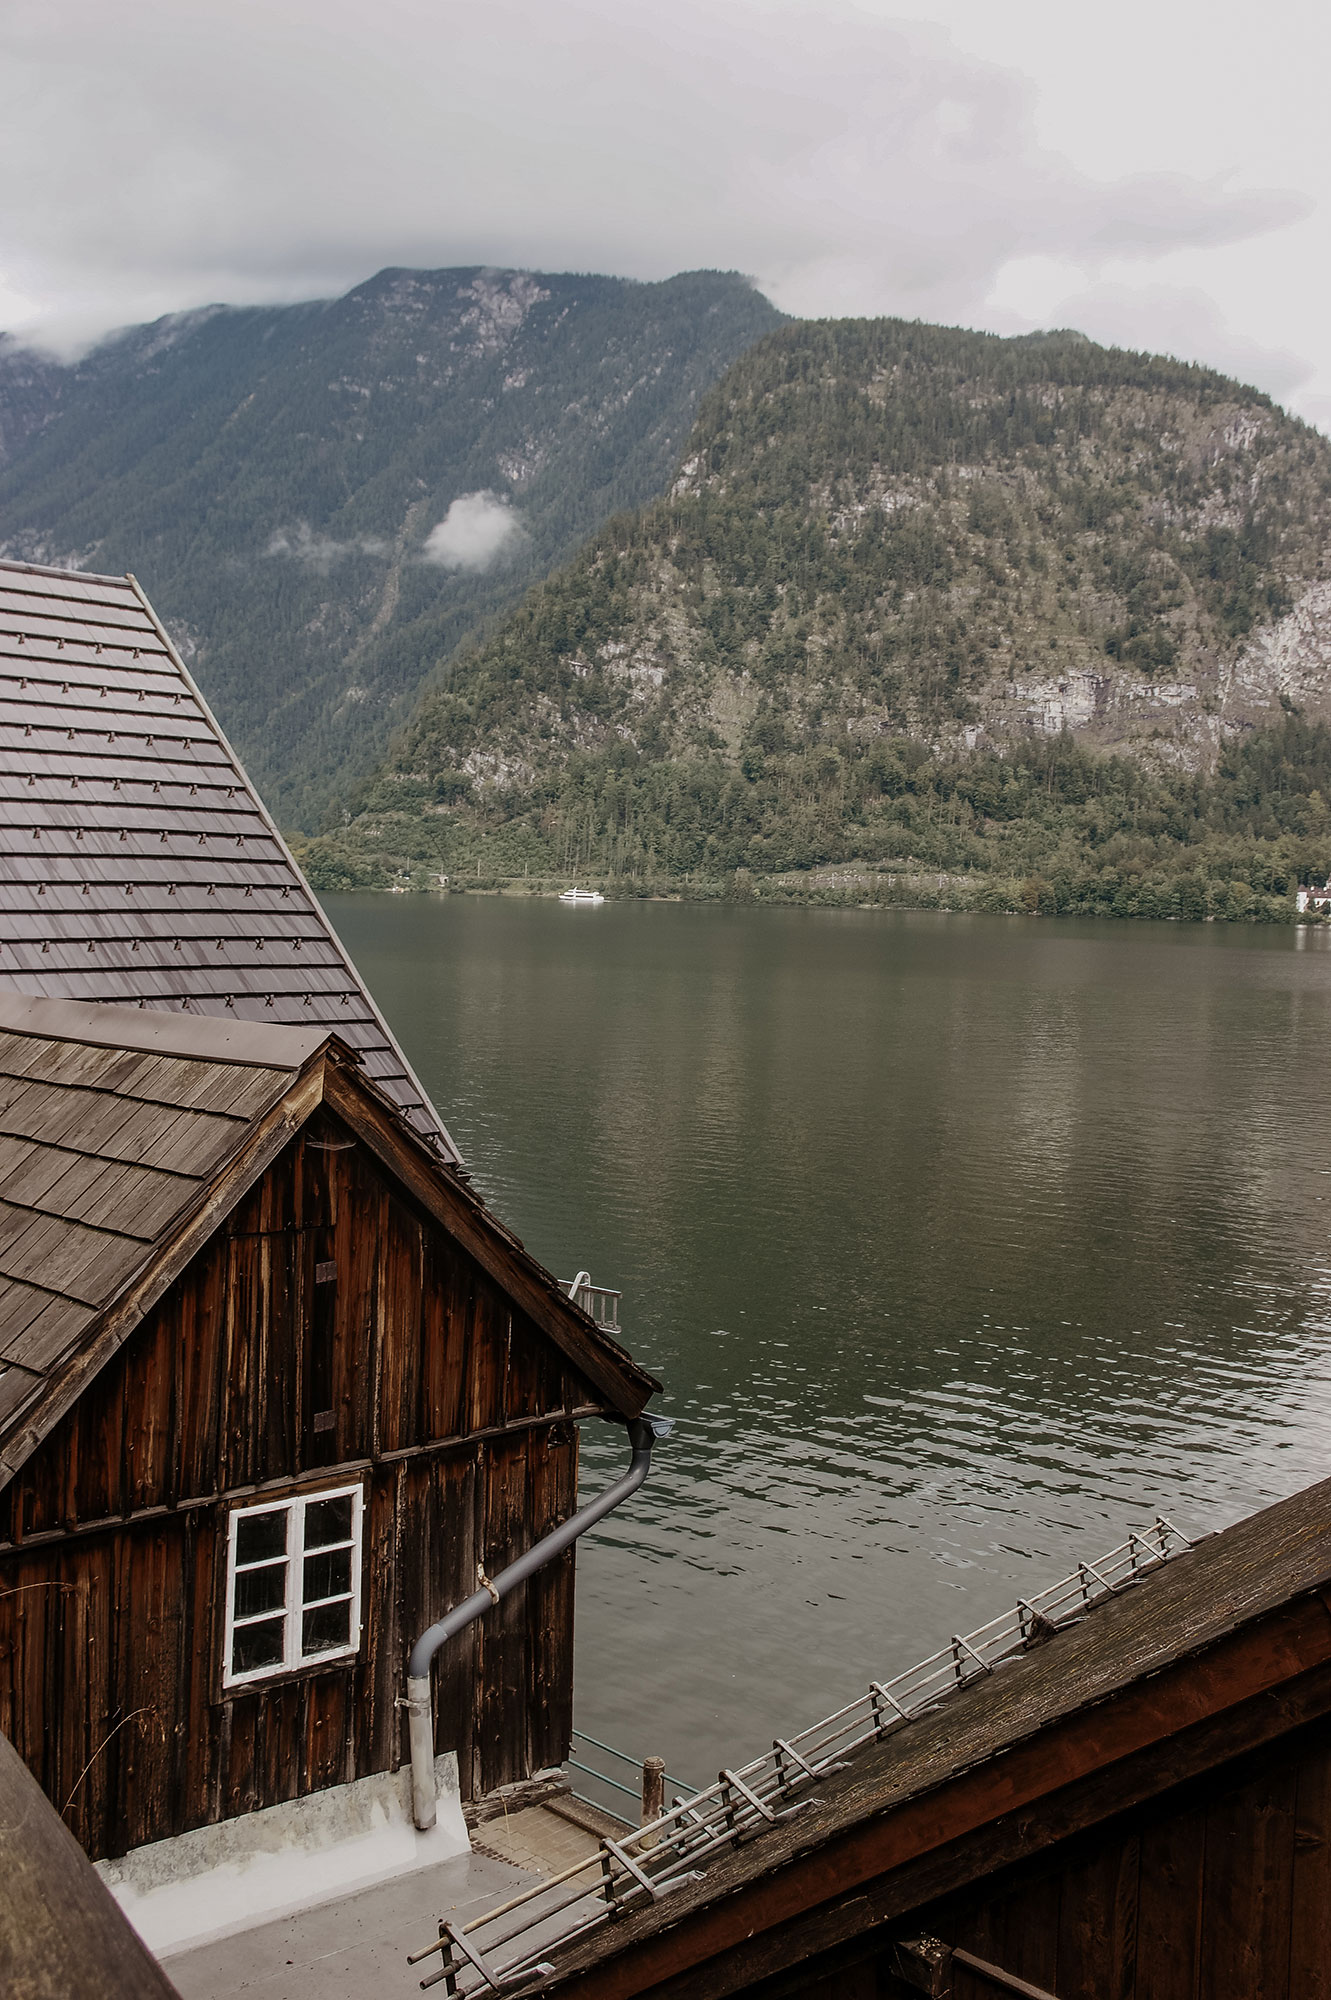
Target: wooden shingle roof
(137, 863)
(114, 1124)
(126, 1137)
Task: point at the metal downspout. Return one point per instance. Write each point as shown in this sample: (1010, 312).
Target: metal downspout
(643, 1433)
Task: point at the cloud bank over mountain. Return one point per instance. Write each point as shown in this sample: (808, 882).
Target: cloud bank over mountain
(851, 162)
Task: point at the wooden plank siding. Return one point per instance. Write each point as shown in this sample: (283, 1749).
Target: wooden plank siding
(445, 1400)
(1218, 1890)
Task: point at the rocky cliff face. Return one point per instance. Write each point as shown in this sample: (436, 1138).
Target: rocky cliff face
(325, 501)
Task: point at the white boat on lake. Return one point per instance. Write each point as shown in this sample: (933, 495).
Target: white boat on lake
(582, 896)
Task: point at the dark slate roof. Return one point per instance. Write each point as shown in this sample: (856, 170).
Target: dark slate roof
(114, 1124)
(137, 863)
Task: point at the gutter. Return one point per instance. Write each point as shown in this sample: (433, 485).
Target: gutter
(643, 1433)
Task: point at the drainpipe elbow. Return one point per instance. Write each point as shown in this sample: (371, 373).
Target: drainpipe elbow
(643, 1433)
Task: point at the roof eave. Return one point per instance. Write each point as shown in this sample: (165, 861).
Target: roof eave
(374, 1118)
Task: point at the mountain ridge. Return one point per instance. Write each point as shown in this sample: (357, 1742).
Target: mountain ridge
(888, 550)
(273, 475)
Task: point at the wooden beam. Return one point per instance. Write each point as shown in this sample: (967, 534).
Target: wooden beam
(924, 1964)
(499, 1254)
(313, 1475)
(1249, 1689)
(1006, 1982)
(61, 1930)
(548, 1420)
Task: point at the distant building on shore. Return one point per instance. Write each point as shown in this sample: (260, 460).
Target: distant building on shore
(1314, 896)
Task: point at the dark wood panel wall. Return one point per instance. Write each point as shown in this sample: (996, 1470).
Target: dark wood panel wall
(262, 1369)
(1220, 1890)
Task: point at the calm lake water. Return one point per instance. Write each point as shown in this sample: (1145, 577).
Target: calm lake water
(961, 1245)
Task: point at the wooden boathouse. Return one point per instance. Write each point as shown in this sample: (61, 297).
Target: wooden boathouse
(1123, 1792)
(275, 1388)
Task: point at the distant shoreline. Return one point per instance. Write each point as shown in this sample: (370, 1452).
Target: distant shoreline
(844, 887)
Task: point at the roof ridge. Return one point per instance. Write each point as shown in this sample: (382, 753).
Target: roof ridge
(59, 569)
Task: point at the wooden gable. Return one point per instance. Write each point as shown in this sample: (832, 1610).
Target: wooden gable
(118, 1134)
(127, 1138)
(326, 1293)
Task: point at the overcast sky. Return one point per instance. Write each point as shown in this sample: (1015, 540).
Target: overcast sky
(1157, 172)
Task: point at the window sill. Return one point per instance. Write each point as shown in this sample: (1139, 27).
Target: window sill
(284, 1676)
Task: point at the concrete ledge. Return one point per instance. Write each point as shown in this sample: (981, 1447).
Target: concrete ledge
(218, 1880)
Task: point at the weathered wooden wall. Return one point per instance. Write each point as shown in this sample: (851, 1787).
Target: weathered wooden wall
(447, 1402)
(1219, 1890)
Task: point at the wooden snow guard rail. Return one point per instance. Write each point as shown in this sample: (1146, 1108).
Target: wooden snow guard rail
(505, 1948)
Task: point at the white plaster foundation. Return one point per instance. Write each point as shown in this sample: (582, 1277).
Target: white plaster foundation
(222, 1879)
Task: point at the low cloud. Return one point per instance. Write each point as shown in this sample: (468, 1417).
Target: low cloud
(851, 162)
(303, 544)
(478, 531)
(286, 148)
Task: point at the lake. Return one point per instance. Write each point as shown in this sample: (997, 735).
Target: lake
(961, 1244)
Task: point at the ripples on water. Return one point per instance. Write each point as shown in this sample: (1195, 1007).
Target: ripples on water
(960, 1244)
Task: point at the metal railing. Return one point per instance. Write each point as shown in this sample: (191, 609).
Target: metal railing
(627, 1874)
(600, 1302)
(587, 1744)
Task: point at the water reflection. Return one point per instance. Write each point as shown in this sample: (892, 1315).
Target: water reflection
(961, 1245)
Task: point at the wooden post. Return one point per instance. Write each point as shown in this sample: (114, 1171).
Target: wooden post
(653, 1789)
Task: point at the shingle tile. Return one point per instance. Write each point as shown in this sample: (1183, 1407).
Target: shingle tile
(162, 830)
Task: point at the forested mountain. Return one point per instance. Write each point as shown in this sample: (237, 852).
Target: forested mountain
(275, 477)
(1032, 621)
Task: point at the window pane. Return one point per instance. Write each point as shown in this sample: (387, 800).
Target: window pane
(328, 1575)
(261, 1590)
(326, 1626)
(328, 1521)
(259, 1536)
(257, 1646)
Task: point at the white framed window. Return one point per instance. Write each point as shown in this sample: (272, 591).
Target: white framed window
(293, 1583)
